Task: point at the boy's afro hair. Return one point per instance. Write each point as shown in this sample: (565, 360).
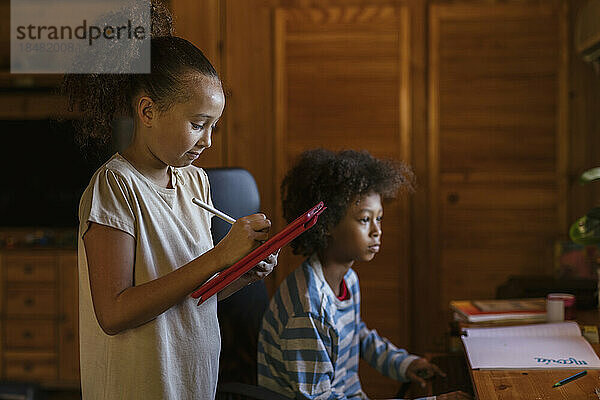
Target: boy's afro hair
(336, 178)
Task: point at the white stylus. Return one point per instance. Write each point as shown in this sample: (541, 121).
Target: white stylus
(213, 210)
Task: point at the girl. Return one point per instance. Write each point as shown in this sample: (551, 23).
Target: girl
(312, 333)
(143, 245)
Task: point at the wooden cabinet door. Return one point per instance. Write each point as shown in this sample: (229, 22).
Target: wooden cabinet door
(68, 322)
(39, 316)
(341, 82)
(497, 146)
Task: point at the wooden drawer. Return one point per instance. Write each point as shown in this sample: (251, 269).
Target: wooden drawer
(32, 367)
(29, 302)
(25, 335)
(30, 268)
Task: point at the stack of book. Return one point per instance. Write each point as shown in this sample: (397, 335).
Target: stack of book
(494, 312)
(490, 313)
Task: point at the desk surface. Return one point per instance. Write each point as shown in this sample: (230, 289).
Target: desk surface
(537, 384)
(534, 384)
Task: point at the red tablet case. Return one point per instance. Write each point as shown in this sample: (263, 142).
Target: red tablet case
(283, 237)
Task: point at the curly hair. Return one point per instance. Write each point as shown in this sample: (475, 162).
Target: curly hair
(100, 98)
(336, 178)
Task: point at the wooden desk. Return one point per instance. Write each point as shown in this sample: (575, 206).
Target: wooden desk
(537, 384)
(533, 384)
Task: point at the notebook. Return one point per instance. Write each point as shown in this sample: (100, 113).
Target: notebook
(555, 345)
(221, 280)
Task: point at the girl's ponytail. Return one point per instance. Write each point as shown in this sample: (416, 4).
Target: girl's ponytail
(100, 98)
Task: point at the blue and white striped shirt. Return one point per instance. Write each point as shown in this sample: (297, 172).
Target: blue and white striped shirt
(310, 341)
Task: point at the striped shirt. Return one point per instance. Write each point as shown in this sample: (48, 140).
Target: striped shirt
(310, 341)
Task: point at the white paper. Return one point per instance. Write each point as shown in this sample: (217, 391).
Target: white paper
(557, 345)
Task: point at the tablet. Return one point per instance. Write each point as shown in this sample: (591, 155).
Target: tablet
(276, 242)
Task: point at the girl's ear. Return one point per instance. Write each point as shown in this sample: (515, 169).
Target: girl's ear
(145, 110)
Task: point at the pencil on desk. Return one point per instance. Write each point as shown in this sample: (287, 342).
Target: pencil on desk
(213, 210)
(569, 379)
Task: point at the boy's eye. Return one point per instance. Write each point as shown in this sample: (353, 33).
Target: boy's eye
(379, 219)
(197, 127)
(365, 219)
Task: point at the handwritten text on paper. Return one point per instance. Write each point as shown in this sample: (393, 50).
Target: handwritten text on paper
(570, 360)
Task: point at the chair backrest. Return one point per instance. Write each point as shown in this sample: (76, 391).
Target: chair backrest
(234, 192)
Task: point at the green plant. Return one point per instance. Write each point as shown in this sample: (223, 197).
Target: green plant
(586, 230)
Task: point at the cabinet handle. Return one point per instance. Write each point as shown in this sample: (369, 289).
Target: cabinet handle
(27, 335)
(27, 367)
(28, 269)
(29, 302)
(453, 198)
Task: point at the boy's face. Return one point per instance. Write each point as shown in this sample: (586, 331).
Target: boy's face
(358, 235)
(184, 131)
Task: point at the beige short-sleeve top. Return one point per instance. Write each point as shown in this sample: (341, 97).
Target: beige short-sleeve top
(176, 355)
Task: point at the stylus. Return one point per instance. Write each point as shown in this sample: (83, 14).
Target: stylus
(213, 210)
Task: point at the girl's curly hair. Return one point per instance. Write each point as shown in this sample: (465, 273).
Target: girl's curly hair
(100, 98)
(336, 178)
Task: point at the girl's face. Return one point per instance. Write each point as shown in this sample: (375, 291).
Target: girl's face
(358, 235)
(180, 134)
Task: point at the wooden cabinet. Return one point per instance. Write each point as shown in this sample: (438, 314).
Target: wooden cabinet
(38, 317)
(497, 146)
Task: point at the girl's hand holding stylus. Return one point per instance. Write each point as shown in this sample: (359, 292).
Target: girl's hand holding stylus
(245, 234)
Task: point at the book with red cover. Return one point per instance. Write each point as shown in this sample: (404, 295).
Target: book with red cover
(499, 310)
(283, 237)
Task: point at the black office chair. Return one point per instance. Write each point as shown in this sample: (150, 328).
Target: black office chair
(234, 192)
(20, 391)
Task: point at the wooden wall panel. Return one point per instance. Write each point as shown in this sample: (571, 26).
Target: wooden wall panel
(341, 83)
(498, 140)
(200, 22)
(584, 125)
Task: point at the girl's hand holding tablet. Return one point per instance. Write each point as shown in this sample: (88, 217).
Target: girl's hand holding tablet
(245, 234)
(262, 269)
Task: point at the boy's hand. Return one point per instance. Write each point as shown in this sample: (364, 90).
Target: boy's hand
(454, 396)
(420, 370)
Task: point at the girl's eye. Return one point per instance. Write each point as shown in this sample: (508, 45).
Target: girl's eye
(197, 127)
(379, 219)
(364, 220)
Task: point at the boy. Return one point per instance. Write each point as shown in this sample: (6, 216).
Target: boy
(312, 333)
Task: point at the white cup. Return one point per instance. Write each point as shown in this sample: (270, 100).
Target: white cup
(555, 310)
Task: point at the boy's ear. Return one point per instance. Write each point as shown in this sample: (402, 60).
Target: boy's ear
(145, 110)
